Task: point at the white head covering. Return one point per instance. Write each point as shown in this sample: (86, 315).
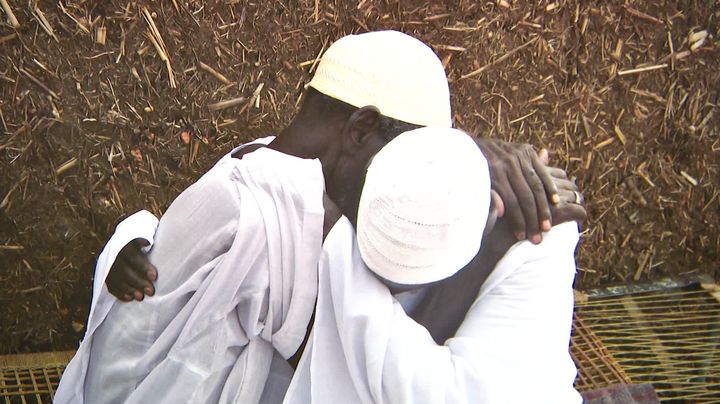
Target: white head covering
(424, 206)
(394, 72)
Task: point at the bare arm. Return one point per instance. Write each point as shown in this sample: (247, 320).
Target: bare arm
(443, 308)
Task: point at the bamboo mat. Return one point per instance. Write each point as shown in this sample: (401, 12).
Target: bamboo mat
(31, 378)
(669, 338)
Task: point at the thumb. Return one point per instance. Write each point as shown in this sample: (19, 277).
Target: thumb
(496, 203)
(544, 156)
(141, 242)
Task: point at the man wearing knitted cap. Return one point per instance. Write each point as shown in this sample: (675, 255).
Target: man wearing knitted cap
(421, 216)
(235, 256)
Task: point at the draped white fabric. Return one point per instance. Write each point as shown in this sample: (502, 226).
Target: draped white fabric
(237, 257)
(511, 348)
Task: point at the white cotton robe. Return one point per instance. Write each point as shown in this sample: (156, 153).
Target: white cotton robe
(237, 257)
(511, 348)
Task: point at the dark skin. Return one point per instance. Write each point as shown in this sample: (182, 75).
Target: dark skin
(518, 198)
(446, 302)
(344, 144)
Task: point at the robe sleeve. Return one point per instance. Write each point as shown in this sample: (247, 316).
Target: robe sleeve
(140, 225)
(511, 347)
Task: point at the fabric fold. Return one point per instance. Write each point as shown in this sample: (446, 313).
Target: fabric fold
(237, 256)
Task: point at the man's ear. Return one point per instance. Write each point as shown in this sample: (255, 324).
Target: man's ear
(362, 123)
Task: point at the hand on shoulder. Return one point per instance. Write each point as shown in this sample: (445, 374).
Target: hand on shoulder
(131, 276)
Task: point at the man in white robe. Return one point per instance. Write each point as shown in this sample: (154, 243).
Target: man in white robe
(512, 346)
(235, 303)
(237, 252)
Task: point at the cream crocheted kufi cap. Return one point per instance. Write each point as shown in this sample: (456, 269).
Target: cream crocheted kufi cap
(392, 71)
(424, 206)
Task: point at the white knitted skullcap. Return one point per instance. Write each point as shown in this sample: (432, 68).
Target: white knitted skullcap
(394, 72)
(424, 206)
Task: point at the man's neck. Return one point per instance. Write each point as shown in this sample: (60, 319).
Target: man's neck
(298, 139)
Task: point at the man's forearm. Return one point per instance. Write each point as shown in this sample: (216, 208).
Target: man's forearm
(443, 308)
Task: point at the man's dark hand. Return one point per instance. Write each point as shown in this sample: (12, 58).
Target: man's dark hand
(132, 275)
(526, 189)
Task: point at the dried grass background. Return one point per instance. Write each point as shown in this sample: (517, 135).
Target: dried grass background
(107, 107)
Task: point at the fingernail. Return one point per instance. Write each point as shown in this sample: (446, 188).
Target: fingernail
(152, 274)
(520, 236)
(545, 225)
(138, 295)
(555, 199)
(127, 298)
(535, 239)
(149, 291)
